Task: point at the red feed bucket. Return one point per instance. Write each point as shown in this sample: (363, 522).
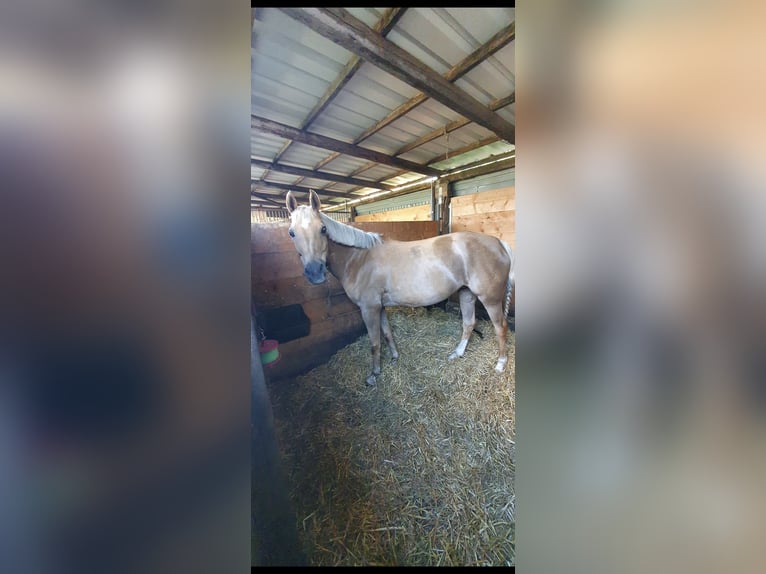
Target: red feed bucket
(269, 349)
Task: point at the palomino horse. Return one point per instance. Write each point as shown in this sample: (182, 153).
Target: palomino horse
(377, 274)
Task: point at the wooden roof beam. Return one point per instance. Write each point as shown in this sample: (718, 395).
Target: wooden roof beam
(459, 70)
(290, 187)
(454, 153)
(316, 140)
(383, 26)
(351, 33)
(481, 167)
(499, 40)
(452, 126)
(302, 172)
(266, 198)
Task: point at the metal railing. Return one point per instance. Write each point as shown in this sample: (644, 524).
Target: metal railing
(279, 215)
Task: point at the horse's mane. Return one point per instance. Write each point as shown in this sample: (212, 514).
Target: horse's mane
(347, 235)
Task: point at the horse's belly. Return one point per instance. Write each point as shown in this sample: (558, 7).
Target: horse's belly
(389, 301)
(415, 283)
(424, 295)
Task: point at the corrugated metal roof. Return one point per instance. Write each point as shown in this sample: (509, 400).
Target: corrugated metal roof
(379, 172)
(486, 151)
(278, 177)
(367, 15)
(265, 145)
(293, 67)
(345, 164)
(304, 155)
(486, 182)
(374, 93)
(390, 203)
(495, 75)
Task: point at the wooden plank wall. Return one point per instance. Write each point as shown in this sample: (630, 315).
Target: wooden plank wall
(491, 212)
(417, 213)
(277, 280)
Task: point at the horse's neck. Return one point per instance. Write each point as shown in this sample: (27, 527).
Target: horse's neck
(340, 258)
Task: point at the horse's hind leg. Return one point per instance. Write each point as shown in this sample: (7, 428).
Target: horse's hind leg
(495, 312)
(468, 311)
(388, 335)
(371, 316)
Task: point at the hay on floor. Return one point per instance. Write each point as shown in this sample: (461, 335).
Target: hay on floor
(417, 470)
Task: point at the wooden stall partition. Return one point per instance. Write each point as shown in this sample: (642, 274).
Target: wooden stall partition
(277, 280)
(417, 213)
(491, 212)
(401, 230)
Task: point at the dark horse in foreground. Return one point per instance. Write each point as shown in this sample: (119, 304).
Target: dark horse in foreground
(376, 274)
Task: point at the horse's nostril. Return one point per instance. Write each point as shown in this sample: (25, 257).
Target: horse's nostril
(314, 268)
(315, 272)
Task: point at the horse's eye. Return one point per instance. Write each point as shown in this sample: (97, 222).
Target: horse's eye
(324, 229)
(292, 233)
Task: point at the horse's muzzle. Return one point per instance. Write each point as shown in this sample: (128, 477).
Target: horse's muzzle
(315, 272)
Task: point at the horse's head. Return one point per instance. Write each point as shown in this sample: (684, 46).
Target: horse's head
(309, 236)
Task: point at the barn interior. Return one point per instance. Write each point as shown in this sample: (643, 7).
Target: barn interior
(402, 121)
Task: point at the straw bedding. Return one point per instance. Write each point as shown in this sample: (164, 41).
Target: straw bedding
(417, 470)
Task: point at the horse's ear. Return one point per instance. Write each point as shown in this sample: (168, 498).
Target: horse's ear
(314, 200)
(291, 202)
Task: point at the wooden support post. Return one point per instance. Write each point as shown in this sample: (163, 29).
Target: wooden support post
(434, 203)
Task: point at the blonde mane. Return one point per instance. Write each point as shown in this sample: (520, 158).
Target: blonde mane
(347, 235)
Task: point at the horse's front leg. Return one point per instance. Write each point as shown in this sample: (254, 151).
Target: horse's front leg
(371, 316)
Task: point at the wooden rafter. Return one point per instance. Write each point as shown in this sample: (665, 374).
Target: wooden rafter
(258, 184)
(302, 172)
(351, 33)
(383, 26)
(465, 149)
(503, 161)
(266, 198)
(458, 71)
(453, 153)
(502, 38)
(456, 152)
(452, 126)
(316, 140)
(481, 167)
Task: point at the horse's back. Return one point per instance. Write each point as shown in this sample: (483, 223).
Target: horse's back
(456, 237)
(475, 238)
(454, 249)
(444, 263)
(470, 245)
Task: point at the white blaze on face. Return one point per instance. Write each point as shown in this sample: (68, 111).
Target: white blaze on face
(307, 240)
(304, 218)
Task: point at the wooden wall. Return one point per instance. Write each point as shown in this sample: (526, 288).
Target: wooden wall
(491, 212)
(417, 213)
(277, 280)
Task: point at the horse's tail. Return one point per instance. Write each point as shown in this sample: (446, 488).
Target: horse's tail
(511, 279)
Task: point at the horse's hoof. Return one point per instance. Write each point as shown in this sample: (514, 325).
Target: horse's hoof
(500, 366)
(394, 360)
(452, 356)
(371, 380)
